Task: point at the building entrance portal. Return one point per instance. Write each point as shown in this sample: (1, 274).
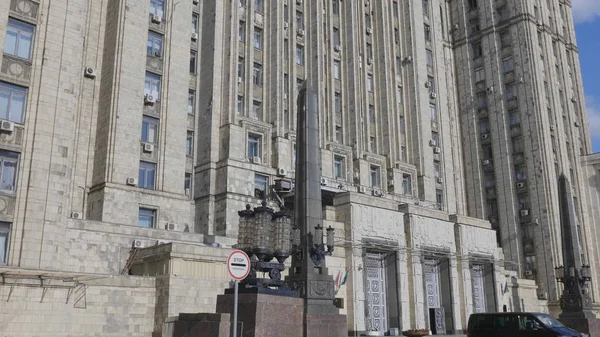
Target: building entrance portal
(478, 283)
(376, 292)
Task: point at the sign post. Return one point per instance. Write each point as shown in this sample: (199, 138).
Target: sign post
(238, 266)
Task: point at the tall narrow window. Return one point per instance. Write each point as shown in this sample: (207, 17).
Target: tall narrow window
(429, 55)
(426, 7)
(338, 134)
(157, 7)
(12, 102)
(507, 64)
(193, 59)
(189, 144)
(152, 85)
(8, 170)
(191, 102)
(4, 237)
(406, 184)
(401, 125)
(427, 33)
(240, 69)
(259, 6)
(260, 186)
(375, 176)
(335, 6)
(432, 112)
(195, 23)
(149, 130)
(479, 75)
(369, 51)
(187, 183)
(242, 32)
(395, 9)
(399, 95)
(147, 174)
(336, 70)
(240, 106)
(370, 82)
(19, 39)
(339, 171)
(299, 20)
(398, 65)
(337, 103)
(147, 217)
(254, 145)
(477, 50)
(257, 110)
(336, 36)
(299, 55)
(258, 38)
(154, 45)
(371, 114)
(257, 74)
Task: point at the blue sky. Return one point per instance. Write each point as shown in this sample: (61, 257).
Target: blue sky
(587, 26)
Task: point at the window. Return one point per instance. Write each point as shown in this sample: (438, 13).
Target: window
(429, 55)
(395, 9)
(479, 75)
(489, 179)
(472, 4)
(427, 33)
(146, 217)
(335, 6)
(396, 35)
(508, 65)
(195, 23)
(477, 50)
(336, 69)
(337, 98)
(520, 173)
(187, 182)
(259, 6)
(511, 91)
(152, 85)
(240, 106)
(432, 112)
(258, 41)
(338, 134)
(240, 68)
(12, 102)
(193, 57)
(260, 186)
(339, 171)
(370, 82)
(426, 7)
(157, 7)
(436, 138)
(375, 175)
(431, 82)
(484, 126)
(481, 100)
(191, 102)
(505, 39)
(286, 14)
(502, 13)
(299, 20)
(154, 45)
(146, 175)
(286, 119)
(368, 22)
(336, 36)
(299, 55)
(189, 144)
(398, 65)
(439, 198)
(513, 117)
(401, 125)
(517, 145)
(406, 184)
(436, 169)
(403, 153)
(399, 95)
(8, 170)
(369, 51)
(242, 3)
(487, 152)
(19, 39)
(474, 24)
(242, 32)
(149, 130)
(257, 110)
(254, 145)
(372, 144)
(371, 114)
(257, 74)
(4, 237)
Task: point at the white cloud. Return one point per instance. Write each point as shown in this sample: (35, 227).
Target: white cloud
(585, 10)
(593, 112)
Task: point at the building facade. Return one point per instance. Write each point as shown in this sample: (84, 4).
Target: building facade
(133, 132)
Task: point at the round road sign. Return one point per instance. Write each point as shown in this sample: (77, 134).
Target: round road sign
(238, 265)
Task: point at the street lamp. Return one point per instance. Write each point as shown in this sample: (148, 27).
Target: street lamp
(559, 273)
(585, 274)
(319, 251)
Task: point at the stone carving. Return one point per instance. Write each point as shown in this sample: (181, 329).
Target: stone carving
(7, 205)
(154, 64)
(25, 8)
(12, 138)
(16, 69)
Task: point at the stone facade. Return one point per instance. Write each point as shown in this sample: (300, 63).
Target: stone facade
(104, 145)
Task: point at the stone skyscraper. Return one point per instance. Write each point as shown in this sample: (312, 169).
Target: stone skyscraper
(444, 126)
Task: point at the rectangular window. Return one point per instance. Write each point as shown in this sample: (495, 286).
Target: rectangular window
(157, 7)
(489, 179)
(339, 171)
(520, 173)
(338, 134)
(19, 39)
(406, 184)
(372, 144)
(398, 65)
(484, 126)
(286, 14)
(432, 112)
(475, 25)
(191, 102)
(299, 55)
(370, 82)
(195, 23)
(439, 198)
(369, 51)
(286, 119)
(260, 186)
(152, 85)
(477, 50)
(147, 175)
(371, 114)
(335, 7)
(12, 102)
(507, 64)
(426, 7)
(431, 82)
(487, 152)
(259, 6)
(501, 13)
(481, 100)
(505, 39)
(8, 170)
(240, 68)
(436, 170)
(429, 56)
(337, 98)
(513, 117)
(193, 58)
(149, 130)
(336, 36)
(146, 217)
(240, 106)
(154, 45)
(401, 125)
(511, 91)
(189, 144)
(336, 69)
(479, 75)
(403, 153)
(257, 110)
(375, 175)
(399, 95)
(435, 137)
(4, 237)
(242, 32)
(254, 145)
(427, 33)
(257, 74)
(242, 3)
(368, 22)
(258, 40)
(396, 35)
(187, 182)
(472, 4)
(299, 20)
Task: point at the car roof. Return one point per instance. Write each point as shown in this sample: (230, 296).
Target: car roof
(507, 313)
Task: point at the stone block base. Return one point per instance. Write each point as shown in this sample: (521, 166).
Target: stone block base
(198, 325)
(589, 326)
(326, 325)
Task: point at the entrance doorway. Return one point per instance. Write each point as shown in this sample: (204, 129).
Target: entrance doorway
(375, 286)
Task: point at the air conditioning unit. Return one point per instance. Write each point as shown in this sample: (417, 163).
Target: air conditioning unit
(427, 84)
(487, 162)
(337, 48)
(432, 143)
(574, 100)
(300, 32)
(156, 18)
(369, 30)
(370, 61)
(7, 126)
(286, 25)
(239, 80)
(362, 189)
(194, 36)
(90, 72)
(188, 191)
(157, 54)
(552, 127)
(148, 147)
(162, 242)
(195, 2)
(131, 181)
(149, 99)
(256, 160)
(285, 96)
(520, 185)
(540, 23)
(576, 124)
(299, 2)
(377, 192)
(490, 90)
(408, 59)
(367, 3)
(433, 95)
(485, 136)
(323, 181)
(76, 215)
(281, 172)
(283, 185)
(439, 180)
(171, 226)
(528, 272)
(543, 296)
(524, 212)
(437, 149)
(137, 244)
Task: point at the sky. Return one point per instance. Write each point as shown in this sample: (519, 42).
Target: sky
(587, 27)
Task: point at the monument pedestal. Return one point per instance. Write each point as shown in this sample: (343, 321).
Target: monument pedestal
(263, 314)
(586, 323)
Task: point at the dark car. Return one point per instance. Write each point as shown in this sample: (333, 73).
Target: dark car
(517, 324)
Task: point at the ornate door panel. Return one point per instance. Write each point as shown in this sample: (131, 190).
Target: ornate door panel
(432, 283)
(375, 288)
(478, 283)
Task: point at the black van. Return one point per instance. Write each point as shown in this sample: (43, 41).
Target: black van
(517, 324)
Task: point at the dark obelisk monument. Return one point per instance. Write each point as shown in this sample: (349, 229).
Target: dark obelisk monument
(308, 274)
(575, 302)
